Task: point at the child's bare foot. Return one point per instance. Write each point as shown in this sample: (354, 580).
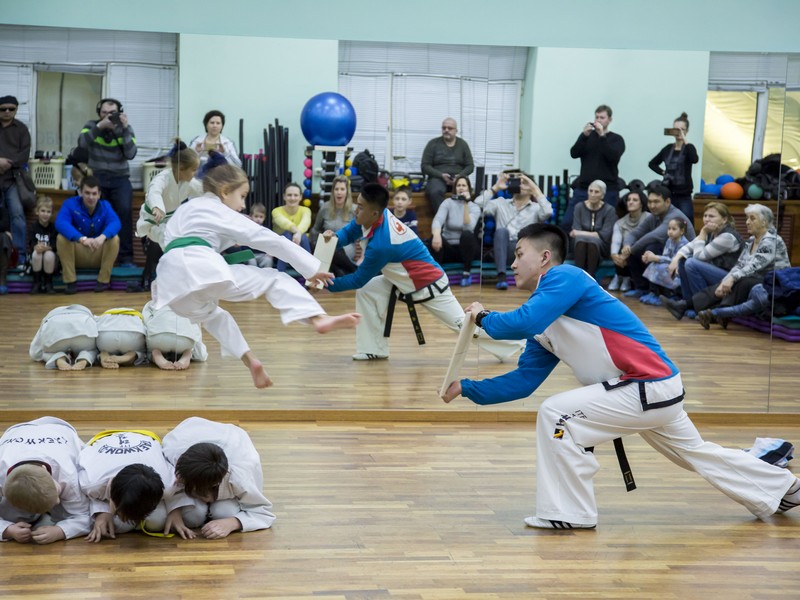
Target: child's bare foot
(326, 323)
(183, 362)
(107, 361)
(80, 365)
(260, 378)
(62, 364)
(161, 362)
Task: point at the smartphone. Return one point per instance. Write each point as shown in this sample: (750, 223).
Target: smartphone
(514, 185)
(672, 131)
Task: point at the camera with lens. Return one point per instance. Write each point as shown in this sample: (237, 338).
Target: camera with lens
(114, 118)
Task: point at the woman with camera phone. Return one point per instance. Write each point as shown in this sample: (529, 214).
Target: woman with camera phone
(453, 229)
(678, 158)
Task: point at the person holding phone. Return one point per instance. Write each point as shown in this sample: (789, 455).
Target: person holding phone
(111, 143)
(678, 158)
(599, 151)
(526, 205)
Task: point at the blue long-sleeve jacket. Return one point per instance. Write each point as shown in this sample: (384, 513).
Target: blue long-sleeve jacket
(74, 221)
(571, 318)
(392, 249)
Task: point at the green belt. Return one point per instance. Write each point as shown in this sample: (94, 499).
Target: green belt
(234, 258)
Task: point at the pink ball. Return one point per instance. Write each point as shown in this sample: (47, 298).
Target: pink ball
(307, 173)
(307, 162)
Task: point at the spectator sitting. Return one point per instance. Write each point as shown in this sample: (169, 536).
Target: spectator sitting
(445, 158)
(657, 271)
(592, 228)
(650, 234)
(333, 215)
(401, 208)
(291, 220)
(258, 214)
(41, 246)
(706, 259)
(527, 205)
(629, 214)
(453, 229)
(759, 302)
(764, 251)
(214, 141)
(87, 236)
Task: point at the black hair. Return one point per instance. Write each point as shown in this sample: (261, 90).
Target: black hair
(210, 115)
(136, 491)
(660, 190)
(202, 468)
(553, 237)
(375, 193)
(292, 184)
(108, 100)
(90, 181)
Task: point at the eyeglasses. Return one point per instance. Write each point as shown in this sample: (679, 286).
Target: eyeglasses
(8, 108)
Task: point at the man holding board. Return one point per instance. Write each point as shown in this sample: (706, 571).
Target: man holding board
(630, 386)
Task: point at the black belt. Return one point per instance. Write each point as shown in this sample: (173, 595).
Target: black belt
(395, 294)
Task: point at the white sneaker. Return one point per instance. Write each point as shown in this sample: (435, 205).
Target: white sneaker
(626, 284)
(365, 356)
(548, 524)
(615, 283)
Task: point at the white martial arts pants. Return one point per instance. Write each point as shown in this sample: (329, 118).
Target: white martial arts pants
(285, 294)
(372, 302)
(570, 422)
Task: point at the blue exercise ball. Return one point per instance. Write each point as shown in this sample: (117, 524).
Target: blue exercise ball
(716, 189)
(723, 179)
(328, 119)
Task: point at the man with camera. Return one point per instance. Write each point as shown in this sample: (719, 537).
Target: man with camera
(445, 158)
(599, 151)
(526, 206)
(111, 143)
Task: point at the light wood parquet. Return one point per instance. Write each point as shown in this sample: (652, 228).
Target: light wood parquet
(738, 370)
(433, 511)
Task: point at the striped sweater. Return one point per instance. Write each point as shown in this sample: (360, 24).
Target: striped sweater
(109, 151)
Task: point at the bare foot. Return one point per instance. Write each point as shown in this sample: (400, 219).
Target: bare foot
(260, 378)
(63, 364)
(80, 365)
(161, 362)
(326, 323)
(183, 363)
(107, 361)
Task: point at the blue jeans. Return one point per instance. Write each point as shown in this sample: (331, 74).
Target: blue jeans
(16, 214)
(503, 246)
(304, 244)
(698, 275)
(118, 191)
(757, 301)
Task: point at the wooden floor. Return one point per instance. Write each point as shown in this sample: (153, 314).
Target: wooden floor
(417, 511)
(738, 370)
(383, 492)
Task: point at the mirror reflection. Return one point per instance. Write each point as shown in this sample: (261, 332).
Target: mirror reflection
(510, 105)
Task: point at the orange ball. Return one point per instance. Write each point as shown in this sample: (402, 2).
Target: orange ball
(732, 191)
